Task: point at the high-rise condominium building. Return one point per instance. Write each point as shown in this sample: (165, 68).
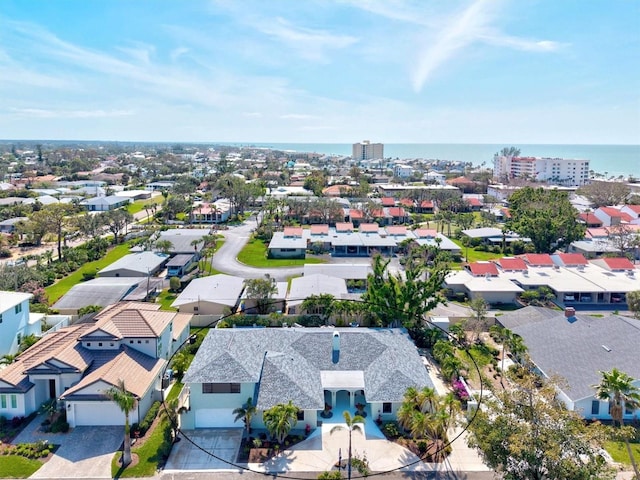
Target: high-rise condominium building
(367, 150)
(553, 170)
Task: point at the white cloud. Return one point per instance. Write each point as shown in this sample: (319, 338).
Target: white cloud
(45, 113)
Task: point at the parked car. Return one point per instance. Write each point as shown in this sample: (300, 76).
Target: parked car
(585, 298)
(617, 298)
(569, 298)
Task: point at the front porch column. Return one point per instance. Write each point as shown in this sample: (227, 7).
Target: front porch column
(333, 398)
(352, 397)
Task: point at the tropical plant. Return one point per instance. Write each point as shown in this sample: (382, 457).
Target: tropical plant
(126, 402)
(280, 419)
(619, 390)
(353, 425)
(245, 413)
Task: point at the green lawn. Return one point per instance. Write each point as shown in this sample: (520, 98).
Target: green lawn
(254, 254)
(149, 455)
(139, 205)
(166, 298)
(175, 391)
(62, 286)
(618, 451)
(475, 256)
(15, 466)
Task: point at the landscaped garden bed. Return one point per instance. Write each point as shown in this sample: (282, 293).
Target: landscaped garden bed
(260, 449)
(428, 450)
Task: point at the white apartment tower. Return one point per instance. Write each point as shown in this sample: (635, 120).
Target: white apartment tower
(367, 151)
(553, 170)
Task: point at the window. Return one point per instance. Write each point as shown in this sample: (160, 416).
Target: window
(130, 341)
(88, 344)
(595, 407)
(14, 401)
(386, 407)
(220, 388)
(3, 401)
(0, 318)
(18, 308)
(195, 309)
(99, 344)
(300, 415)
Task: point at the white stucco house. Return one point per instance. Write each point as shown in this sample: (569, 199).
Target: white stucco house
(76, 365)
(577, 348)
(319, 369)
(15, 321)
(212, 295)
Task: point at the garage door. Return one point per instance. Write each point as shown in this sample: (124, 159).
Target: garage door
(216, 418)
(98, 413)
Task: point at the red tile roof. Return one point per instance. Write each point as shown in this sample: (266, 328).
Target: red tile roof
(512, 264)
(369, 227)
(614, 212)
(506, 212)
(590, 219)
(335, 190)
(634, 208)
(621, 263)
(319, 229)
(538, 259)
(293, 231)
(397, 212)
(388, 202)
(426, 233)
(474, 202)
(483, 268)
(460, 180)
(397, 230)
(406, 202)
(354, 213)
(426, 204)
(344, 227)
(572, 259)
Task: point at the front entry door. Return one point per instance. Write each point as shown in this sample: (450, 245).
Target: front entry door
(52, 389)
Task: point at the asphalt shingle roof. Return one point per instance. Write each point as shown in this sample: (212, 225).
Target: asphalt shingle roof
(287, 363)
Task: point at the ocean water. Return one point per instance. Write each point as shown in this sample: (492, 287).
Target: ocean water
(615, 160)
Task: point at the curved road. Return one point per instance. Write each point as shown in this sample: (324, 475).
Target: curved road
(225, 259)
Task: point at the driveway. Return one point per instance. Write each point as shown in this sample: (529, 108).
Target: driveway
(84, 452)
(192, 453)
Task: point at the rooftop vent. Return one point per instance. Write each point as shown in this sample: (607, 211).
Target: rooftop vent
(569, 312)
(606, 348)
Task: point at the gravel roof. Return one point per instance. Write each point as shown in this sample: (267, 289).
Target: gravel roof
(286, 363)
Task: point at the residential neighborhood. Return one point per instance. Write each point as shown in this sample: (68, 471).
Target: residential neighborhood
(394, 296)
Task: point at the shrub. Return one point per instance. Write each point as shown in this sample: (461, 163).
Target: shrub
(422, 446)
(90, 275)
(149, 418)
(174, 284)
(330, 475)
(390, 430)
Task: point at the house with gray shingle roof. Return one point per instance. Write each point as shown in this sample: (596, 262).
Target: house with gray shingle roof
(317, 369)
(577, 348)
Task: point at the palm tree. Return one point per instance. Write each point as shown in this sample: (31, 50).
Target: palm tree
(126, 402)
(8, 359)
(245, 412)
(618, 389)
(280, 419)
(352, 426)
(164, 246)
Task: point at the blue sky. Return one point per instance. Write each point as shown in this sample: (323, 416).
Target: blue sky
(394, 71)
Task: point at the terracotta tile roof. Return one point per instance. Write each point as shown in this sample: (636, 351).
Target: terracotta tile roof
(512, 264)
(426, 233)
(538, 259)
(369, 227)
(506, 212)
(426, 204)
(396, 230)
(590, 219)
(180, 322)
(460, 181)
(52, 346)
(597, 232)
(614, 212)
(335, 190)
(319, 229)
(132, 319)
(406, 202)
(474, 202)
(634, 208)
(621, 263)
(354, 213)
(136, 369)
(378, 213)
(483, 268)
(388, 202)
(569, 259)
(293, 232)
(344, 227)
(397, 212)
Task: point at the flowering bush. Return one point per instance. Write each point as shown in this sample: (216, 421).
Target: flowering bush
(460, 390)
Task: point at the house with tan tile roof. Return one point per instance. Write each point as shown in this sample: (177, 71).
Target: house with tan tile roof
(76, 365)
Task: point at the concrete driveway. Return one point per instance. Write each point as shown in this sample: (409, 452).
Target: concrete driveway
(84, 452)
(195, 450)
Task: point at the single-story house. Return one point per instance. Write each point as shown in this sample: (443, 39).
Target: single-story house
(155, 186)
(315, 284)
(141, 264)
(346, 271)
(9, 225)
(105, 204)
(182, 240)
(277, 301)
(211, 295)
(135, 194)
(577, 348)
(288, 244)
(179, 265)
(100, 291)
(76, 365)
(321, 370)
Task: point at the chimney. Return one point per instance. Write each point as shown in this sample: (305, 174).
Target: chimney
(335, 349)
(570, 314)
